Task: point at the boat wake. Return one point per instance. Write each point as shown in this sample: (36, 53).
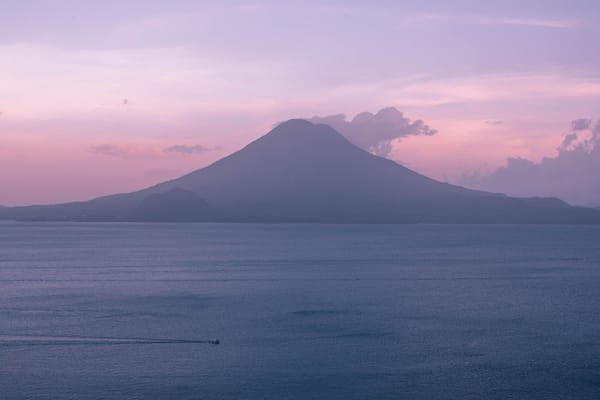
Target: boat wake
(90, 340)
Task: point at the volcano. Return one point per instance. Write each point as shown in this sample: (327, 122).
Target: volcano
(304, 172)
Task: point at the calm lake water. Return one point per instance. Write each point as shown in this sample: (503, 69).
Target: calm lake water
(122, 311)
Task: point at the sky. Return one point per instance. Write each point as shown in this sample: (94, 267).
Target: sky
(113, 96)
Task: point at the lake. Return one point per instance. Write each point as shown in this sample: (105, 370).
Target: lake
(133, 311)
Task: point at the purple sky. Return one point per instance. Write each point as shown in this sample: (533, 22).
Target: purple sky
(102, 97)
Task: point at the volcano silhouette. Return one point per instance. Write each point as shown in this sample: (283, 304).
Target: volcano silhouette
(304, 172)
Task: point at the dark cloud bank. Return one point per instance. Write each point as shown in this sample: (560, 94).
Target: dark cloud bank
(375, 132)
(572, 175)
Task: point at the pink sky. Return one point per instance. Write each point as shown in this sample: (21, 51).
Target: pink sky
(495, 82)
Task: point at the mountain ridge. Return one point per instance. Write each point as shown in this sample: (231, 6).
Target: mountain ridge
(305, 172)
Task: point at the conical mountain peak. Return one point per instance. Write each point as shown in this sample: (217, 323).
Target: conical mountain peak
(301, 129)
(305, 172)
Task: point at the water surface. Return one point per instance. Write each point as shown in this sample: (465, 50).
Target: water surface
(115, 311)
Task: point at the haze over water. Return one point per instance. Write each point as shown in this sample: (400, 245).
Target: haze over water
(119, 311)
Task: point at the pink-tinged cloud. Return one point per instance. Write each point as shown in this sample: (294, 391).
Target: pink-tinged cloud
(375, 132)
(186, 149)
(570, 174)
(126, 150)
(146, 151)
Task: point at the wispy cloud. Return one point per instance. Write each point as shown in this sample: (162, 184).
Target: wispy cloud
(498, 20)
(126, 150)
(403, 16)
(145, 151)
(497, 87)
(186, 149)
(46, 82)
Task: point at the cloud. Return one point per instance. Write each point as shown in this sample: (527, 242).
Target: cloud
(185, 149)
(517, 88)
(375, 132)
(499, 20)
(572, 174)
(468, 19)
(567, 141)
(581, 124)
(125, 150)
(494, 122)
(145, 151)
